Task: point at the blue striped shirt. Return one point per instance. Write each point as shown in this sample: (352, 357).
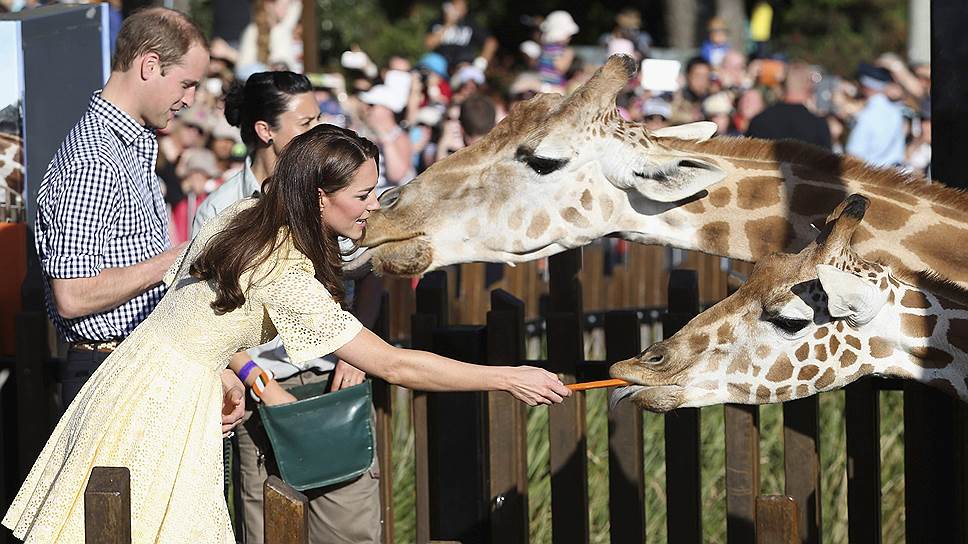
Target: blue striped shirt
(100, 206)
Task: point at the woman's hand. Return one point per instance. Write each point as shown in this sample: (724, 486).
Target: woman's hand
(345, 375)
(233, 401)
(274, 394)
(535, 386)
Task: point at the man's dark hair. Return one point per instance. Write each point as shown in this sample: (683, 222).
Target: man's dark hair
(695, 61)
(165, 32)
(477, 115)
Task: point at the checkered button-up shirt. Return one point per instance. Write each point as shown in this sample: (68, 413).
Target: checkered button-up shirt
(100, 206)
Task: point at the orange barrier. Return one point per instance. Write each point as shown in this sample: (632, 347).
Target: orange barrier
(12, 247)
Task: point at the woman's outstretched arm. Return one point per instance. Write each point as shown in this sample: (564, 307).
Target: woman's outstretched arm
(430, 372)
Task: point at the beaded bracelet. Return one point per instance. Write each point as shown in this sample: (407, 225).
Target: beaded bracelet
(247, 369)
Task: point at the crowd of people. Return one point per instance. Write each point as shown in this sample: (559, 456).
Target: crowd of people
(421, 110)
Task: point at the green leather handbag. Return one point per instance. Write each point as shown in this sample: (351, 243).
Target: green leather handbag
(322, 438)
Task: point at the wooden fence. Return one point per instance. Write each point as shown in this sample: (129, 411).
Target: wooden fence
(471, 481)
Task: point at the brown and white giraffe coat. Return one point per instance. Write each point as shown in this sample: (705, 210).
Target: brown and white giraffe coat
(558, 173)
(809, 322)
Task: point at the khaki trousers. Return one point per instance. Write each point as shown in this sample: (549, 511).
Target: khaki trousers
(347, 513)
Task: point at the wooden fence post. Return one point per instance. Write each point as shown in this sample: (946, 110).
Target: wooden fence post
(931, 468)
(566, 421)
(431, 312)
(286, 513)
(507, 444)
(626, 473)
(801, 462)
(776, 520)
(742, 422)
(682, 427)
(107, 506)
(383, 405)
(863, 461)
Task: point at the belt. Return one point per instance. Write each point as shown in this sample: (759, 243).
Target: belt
(105, 346)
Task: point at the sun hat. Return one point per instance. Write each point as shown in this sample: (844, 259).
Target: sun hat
(558, 26)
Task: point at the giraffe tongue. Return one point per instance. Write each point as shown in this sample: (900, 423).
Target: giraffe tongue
(621, 393)
(360, 261)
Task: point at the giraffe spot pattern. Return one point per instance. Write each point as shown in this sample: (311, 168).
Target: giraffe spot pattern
(573, 216)
(783, 392)
(781, 371)
(714, 237)
(514, 221)
(812, 201)
(539, 224)
(803, 352)
(958, 334)
(763, 351)
(885, 215)
(881, 347)
(768, 235)
(891, 193)
(826, 379)
(808, 372)
(758, 192)
(698, 343)
(918, 326)
(586, 199)
(820, 352)
(915, 299)
(738, 391)
(720, 197)
(949, 212)
(929, 357)
(834, 345)
(848, 359)
(803, 390)
(739, 364)
(607, 207)
(853, 342)
(935, 250)
(763, 394)
(724, 334)
(822, 331)
(694, 206)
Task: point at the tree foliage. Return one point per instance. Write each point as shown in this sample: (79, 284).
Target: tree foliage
(839, 34)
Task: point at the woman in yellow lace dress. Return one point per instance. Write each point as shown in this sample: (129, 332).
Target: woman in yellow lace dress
(263, 266)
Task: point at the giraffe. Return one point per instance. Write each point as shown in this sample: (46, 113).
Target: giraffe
(558, 173)
(810, 322)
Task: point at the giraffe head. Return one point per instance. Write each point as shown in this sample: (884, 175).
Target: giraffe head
(555, 173)
(800, 325)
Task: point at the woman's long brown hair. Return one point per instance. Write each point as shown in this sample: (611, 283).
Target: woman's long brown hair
(326, 157)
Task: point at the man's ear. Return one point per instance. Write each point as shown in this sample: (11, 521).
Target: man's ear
(263, 131)
(150, 65)
(849, 295)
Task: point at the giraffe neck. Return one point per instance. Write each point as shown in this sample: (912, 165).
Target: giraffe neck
(774, 192)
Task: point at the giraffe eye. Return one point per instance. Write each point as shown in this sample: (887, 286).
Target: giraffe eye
(541, 165)
(788, 325)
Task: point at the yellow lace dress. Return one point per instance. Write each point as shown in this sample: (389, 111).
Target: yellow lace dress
(154, 405)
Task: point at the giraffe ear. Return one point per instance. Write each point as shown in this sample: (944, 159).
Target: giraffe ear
(699, 131)
(850, 296)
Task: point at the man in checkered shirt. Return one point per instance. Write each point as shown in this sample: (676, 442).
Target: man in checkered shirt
(102, 225)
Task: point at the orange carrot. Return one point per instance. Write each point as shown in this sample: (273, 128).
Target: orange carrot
(595, 385)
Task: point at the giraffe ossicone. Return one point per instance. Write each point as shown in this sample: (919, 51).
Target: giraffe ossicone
(810, 322)
(558, 173)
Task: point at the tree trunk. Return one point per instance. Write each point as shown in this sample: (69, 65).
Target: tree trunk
(680, 23)
(734, 13)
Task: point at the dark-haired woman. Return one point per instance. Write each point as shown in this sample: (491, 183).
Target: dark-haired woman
(270, 110)
(263, 266)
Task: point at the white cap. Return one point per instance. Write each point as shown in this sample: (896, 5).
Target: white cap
(558, 26)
